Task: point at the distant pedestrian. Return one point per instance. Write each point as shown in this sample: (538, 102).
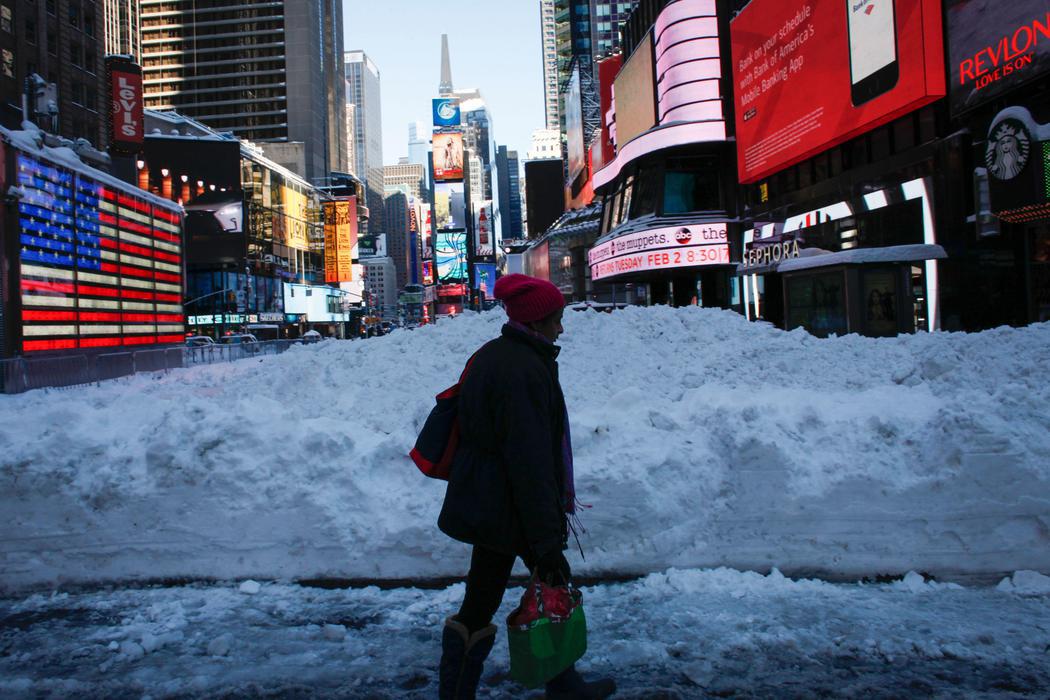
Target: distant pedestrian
(510, 491)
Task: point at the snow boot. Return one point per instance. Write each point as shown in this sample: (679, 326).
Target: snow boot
(462, 657)
(569, 685)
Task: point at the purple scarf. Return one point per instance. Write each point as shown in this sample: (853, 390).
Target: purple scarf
(569, 493)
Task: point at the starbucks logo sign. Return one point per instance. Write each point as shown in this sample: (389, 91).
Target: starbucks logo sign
(1008, 147)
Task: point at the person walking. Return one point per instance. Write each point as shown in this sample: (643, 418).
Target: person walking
(510, 490)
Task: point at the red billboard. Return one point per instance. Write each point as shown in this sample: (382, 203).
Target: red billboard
(125, 90)
(810, 74)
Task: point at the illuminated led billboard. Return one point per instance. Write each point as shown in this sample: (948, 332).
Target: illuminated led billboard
(450, 255)
(99, 265)
(448, 156)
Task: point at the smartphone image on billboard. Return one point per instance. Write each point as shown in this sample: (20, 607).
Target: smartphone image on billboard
(873, 64)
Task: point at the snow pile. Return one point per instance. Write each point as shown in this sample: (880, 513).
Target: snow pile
(700, 439)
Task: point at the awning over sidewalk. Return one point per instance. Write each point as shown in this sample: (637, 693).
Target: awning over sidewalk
(810, 259)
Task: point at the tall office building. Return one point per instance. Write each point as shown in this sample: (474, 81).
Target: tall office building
(445, 86)
(29, 44)
(606, 18)
(546, 143)
(413, 176)
(509, 193)
(550, 63)
(362, 91)
(122, 27)
(351, 152)
(419, 143)
(266, 72)
(397, 238)
(586, 30)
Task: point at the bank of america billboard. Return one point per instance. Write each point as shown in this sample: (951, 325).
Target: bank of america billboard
(808, 76)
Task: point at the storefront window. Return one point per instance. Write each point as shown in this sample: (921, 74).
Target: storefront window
(879, 299)
(817, 303)
(691, 184)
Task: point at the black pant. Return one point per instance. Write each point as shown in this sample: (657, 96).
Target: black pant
(486, 583)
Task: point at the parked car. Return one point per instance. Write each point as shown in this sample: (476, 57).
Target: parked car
(200, 341)
(247, 341)
(312, 336)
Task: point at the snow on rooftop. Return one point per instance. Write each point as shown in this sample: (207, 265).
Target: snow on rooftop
(700, 439)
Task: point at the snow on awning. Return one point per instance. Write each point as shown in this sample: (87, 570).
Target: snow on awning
(815, 258)
(861, 256)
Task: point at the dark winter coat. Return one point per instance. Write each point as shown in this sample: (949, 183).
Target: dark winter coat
(505, 486)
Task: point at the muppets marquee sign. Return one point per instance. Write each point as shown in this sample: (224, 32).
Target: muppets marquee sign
(693, 245)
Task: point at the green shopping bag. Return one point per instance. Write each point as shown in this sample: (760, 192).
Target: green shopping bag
(543, 647)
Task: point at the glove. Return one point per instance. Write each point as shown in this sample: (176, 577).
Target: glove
(553, 569)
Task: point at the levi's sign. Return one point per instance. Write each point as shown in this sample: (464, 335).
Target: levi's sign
(126, 120)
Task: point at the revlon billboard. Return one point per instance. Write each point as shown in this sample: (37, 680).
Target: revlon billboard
(995, 46)
(810, 74)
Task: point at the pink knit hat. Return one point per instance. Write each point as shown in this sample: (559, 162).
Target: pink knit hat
(527, 298)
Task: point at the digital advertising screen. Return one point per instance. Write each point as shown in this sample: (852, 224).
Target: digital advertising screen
(808, 76)
(449, 205)
(633, 87)
(446, 111)
(99, 263)
(574, 124)
(994, 47)
(485, 279)
(291, 224)
(340, 237)
(448, 156)
(483, 232)
(450, 255)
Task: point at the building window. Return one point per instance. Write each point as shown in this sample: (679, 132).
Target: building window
(30, 31)
(645, 192)
(691, 184)
(74, 15)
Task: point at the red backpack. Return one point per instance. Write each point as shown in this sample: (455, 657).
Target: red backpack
(437, 441)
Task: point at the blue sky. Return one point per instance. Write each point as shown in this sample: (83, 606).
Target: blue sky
(494, 45)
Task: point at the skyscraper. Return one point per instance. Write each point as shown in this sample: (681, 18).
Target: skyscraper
(29, 34)
(122, 27)
(550, 63)
(509, 192)
(606, 18)
(362, 86)
(397, 238)
(412, 175)
(585, 30)
(418, 143)
(267, 72)
(445, 86)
